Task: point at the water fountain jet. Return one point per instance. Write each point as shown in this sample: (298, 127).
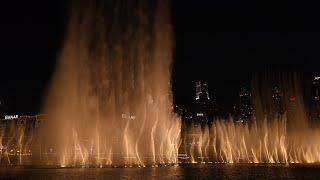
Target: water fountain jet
(110, 100)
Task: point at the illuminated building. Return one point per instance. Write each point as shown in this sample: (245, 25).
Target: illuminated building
(315, 106)
(277, 102)
(203, 105)
(292, 109)
(245, 110)
(20, 138)
(202, 91)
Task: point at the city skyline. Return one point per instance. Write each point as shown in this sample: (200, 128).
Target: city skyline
(204, 51)
(274, 97)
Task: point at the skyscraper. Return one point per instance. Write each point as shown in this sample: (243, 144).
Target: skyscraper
(245, 105)
(203, 104)
(202, 91)
(277, 102)
(315, 107)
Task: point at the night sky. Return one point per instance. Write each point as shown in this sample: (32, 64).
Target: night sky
(222, 41)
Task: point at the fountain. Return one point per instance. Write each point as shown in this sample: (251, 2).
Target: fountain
(110, 101)
(268, 138)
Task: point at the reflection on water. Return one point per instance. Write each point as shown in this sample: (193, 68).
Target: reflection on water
(216, 171)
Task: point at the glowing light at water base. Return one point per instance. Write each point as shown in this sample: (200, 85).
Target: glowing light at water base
(227, 141)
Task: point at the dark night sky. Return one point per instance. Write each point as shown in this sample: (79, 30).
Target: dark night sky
(221, 41)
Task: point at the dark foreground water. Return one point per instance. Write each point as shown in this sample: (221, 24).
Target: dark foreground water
(198, 171)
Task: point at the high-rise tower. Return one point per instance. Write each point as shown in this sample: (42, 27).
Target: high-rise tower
(277, 102)
(245, 105)
(202, 91)
(204, 106)
(315, 109)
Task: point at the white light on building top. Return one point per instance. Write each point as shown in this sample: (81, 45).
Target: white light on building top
(8, 117)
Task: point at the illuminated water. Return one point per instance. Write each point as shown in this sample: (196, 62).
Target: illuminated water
(268, 138)
(266, 142)
(219, 171)
(110, 101)
(110, 105)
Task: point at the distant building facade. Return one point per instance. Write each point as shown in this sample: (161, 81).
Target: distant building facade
(204, 105)
(315, 104)
(20, 138)
(244, 109)
(277, 102)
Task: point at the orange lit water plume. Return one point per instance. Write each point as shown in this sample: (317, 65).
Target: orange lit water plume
(110, 101)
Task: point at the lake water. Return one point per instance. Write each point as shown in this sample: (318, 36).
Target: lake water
(192, 171)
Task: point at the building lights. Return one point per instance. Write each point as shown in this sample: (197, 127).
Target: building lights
(9, 117)
(128, 116)
(202, 90)
(292, 98)
(200, 114)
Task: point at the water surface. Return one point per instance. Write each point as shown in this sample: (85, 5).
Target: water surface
(205, 171)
